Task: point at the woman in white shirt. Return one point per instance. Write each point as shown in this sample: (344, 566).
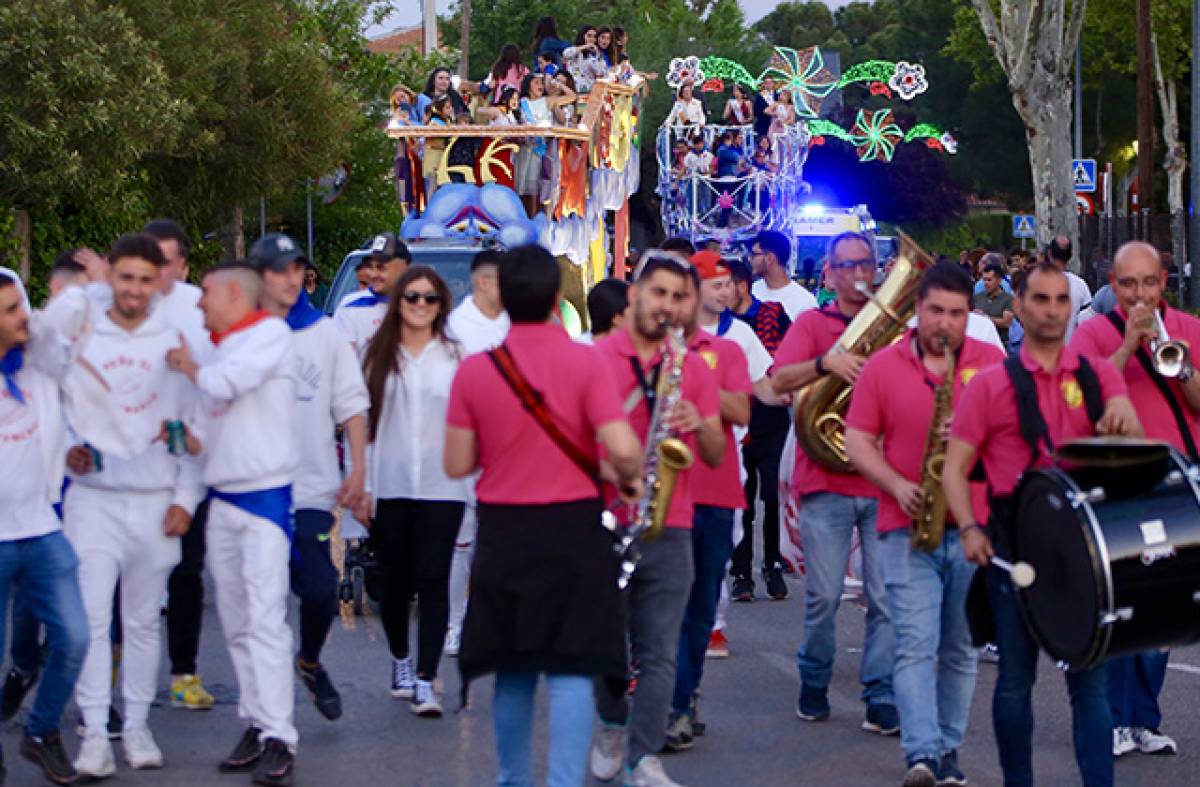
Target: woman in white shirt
(687, 110)
(409, 366)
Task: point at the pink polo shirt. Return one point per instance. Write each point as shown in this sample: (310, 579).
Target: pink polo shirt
(813, 333)
(699, 386)
(1098, 337)
(987, 415)
(521, 464)
(722, 486)
(894, 398)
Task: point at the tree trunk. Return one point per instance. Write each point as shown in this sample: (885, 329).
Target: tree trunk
(1047, 118)
(1175, 161)
(233, 240)
(464, 44)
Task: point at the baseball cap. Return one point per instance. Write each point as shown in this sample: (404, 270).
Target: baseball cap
(275, 251)
(386, 246)
(708, 264)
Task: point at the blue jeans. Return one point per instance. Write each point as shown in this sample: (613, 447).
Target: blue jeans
(827, 522)
(935, 662)
(43, 571)
(712, 544)
(314, 580)
(571, 709)
(1134, 682)
(1012, 704)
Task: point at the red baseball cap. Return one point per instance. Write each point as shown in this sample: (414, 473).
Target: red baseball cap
(708, 264)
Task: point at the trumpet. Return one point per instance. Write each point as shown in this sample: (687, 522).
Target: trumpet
(1170, 357)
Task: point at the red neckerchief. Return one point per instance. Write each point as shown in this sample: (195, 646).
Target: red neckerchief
(253, 318)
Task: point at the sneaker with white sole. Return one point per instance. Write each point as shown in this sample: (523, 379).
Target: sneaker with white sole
(140, 749)
(425, 702)
(1123, 741)
(453, 641)
(404, 680)
(608, 751)
(96, 760)
(649, 773)
(1150, 741)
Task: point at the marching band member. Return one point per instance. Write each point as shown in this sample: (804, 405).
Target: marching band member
(887, 432)
(1051, 389)
(833, 505)
(32, 545)
(330, 392)
(416, 508)
(545, 596)
(246, 429)
(1167, 408)
(359, 315)
(658, 593)
(125, 516)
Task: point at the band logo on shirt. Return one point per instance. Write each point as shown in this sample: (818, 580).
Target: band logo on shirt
(1072, 393)
(710, 358)
(308, 379)
(17, 422)
(966, 375)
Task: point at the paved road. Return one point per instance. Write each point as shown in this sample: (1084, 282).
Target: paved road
(754, 736)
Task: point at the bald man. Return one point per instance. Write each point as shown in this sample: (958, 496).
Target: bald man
(1168, 410)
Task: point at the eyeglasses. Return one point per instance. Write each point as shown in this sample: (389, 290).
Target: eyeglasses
(846, 265)
(431, 298)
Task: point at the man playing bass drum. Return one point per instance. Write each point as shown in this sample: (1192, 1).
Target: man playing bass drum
(1167, 408)
(890, 423)
(1064, 396)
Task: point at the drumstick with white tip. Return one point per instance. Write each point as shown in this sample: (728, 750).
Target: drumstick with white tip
(1022, 574)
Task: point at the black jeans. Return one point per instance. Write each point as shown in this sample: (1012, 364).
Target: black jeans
(314, 580)
(185, 598)
(761, 459)
(414, 542)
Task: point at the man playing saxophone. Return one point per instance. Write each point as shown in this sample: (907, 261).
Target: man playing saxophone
(833, 505)
(663, 288)
(896, 437)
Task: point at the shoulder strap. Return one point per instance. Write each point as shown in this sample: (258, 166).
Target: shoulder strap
(1089, 383)
(1181, 421)
(533, 403)
(1029, 415)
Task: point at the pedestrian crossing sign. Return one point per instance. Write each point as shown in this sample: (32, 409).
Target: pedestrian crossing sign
(1083, 172)
(1024, 226)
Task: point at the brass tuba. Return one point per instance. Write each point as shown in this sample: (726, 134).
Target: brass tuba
(821, 406)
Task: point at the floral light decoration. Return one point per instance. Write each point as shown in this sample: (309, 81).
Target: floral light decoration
(908, 80)
(935, 137)
(876, 134)
(683, 70)
(805, 75)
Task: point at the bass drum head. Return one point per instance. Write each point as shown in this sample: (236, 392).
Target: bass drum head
(1063, 605)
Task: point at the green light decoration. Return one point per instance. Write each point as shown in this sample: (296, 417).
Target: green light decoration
(805, 75)
(726, 70)
(826, 128)
(870, 71)
(876, 135)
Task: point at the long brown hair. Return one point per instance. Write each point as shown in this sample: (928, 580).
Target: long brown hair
(383, 353)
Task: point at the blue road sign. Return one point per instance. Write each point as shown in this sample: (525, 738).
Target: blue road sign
(1083, 172)
(1024, 226)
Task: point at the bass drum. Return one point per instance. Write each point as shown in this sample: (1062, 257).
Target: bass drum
(1116, 547)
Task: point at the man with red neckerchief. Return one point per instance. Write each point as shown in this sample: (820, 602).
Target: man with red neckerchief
(887, 430)
(834, 505)
(1138, 279)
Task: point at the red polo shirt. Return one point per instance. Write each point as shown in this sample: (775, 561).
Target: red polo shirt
(722, 486)
(987, 415)
(1098, 337)
(894, 398)
(521, 464)
(699, 386)
(813, 333)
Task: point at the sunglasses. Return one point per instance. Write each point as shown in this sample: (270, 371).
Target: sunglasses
(431, 298)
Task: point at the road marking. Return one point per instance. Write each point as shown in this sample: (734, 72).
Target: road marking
(782, 663)
(1188, 668)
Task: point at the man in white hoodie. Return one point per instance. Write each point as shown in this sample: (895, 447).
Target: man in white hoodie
(124, 515)
(359, 317)
(330, 392)
(35, 556)
(246, 429)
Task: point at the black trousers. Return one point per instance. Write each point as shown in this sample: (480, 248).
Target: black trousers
(185, 598)
(760, 457)
(414, 543)
(315, 580)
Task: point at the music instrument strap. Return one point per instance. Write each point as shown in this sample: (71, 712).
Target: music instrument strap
(1163, 388)
(1029, 413)
(535, 405)
(648, 383)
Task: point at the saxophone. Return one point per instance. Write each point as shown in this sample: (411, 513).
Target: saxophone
(666, 457)
(929, 525)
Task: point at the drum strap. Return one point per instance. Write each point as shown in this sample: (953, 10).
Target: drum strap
(1181, 421)
(1029, 413)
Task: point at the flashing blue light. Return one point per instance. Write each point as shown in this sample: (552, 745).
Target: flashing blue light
(812, 209)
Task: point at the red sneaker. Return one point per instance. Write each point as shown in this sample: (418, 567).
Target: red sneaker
(718, 646)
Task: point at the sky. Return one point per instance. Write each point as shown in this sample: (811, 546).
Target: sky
(408, 12)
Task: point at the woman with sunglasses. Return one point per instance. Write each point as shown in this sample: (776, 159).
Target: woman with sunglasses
(409, 366)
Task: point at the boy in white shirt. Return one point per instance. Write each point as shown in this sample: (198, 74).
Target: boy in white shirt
(359, 317)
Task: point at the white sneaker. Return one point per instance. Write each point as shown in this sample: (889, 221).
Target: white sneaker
(404, 680)
(1151, 741)
(453, 641)
(608, 751)
(425, 701)
(140, 749)
(95, 758)
(649, 773)
(1123, 741)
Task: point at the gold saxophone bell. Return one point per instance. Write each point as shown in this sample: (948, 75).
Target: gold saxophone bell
(1170, 357)
(673, 457)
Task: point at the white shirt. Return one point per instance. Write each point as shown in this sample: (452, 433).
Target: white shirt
(758, 360)
(25, 486)
(474, 330)
(1081, 298)
(795, 299)
(979, 327)
(358, 318)
(685, 113)
(405, 459)
(182, 309)
(698, 163)
(329, 391)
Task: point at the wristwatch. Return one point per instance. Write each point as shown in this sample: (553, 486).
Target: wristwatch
(819, 366)
(1186, 373)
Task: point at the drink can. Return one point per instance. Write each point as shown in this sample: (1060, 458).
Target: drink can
(97, 463)
(176, 439)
